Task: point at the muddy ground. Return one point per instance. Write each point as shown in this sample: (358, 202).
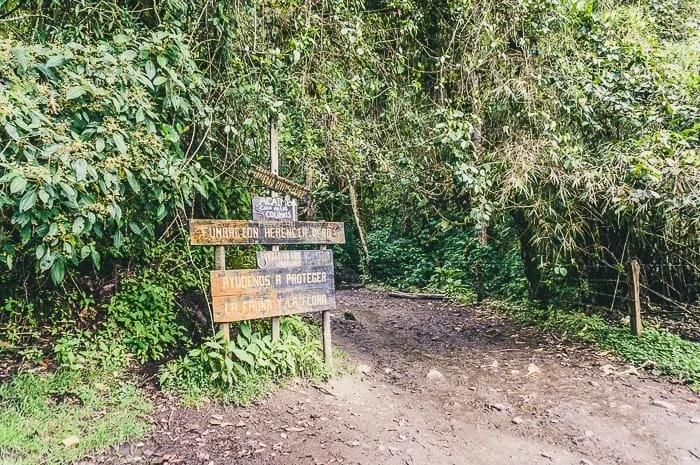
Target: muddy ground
(438, 383)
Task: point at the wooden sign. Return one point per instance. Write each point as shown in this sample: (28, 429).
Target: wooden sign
(238, 232)
(248, 294)
(294, 258)
(274, 208)
(278, 183)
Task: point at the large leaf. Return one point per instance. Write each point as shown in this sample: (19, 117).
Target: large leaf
(28, 201)
(244, 356)
(75, 92)
(18, 185)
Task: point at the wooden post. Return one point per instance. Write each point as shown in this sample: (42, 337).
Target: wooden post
(220, 264)
(327, 347)
(635, 304)
(275, 168)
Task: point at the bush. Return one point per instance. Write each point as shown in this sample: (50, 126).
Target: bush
(246, 367)
(91, 154)
(147, 316)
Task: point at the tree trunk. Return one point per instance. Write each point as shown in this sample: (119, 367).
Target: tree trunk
(528, 255)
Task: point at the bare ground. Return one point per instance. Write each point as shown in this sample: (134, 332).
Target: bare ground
(507, 395)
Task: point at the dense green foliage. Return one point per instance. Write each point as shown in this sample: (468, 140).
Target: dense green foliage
(567, 130)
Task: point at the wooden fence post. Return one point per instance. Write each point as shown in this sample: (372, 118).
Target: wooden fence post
(327, 347)
(275, 168)
(635, 303)
(220, 264)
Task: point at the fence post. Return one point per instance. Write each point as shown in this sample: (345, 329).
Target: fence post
(220, 264)
(635, 303)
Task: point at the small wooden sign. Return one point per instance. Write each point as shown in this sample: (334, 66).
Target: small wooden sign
(238, 232)
(294, 258)
(274, 209)
(248, 294)
(278, 183)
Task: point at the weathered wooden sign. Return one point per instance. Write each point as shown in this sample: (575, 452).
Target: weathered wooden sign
(278, 183)
(237, 232)
(247, 294)
(274, 208)
(294, 258)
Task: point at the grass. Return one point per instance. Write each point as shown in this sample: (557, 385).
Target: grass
(39, 411)
(669, 354)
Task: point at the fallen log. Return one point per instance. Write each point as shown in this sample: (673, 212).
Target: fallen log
(416, 295)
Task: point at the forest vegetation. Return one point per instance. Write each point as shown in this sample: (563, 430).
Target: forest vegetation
(521, 151)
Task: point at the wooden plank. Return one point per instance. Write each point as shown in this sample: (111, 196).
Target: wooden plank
(278, 183)
(248, 294)
(248, 282)
(274, 209)
(294, 258)
(250, 307)
(237, 232)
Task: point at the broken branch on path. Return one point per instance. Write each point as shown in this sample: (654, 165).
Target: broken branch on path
(416, 295)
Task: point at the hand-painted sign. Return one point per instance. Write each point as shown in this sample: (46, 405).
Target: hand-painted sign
(248, 294)
(238, 232)
(274, 208)
(294, 258)
(278, 183)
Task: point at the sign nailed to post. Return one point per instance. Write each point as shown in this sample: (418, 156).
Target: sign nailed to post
(278, 183)
(238, 232)
(274, 208)
(294, 258)
(246, 294)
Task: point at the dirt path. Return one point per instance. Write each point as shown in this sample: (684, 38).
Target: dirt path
(503, 395)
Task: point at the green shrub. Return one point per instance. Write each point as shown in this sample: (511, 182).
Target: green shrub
(85, 350)
(247, 366)
(147, 316)
(92, 156)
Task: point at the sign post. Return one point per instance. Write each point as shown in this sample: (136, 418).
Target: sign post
(286, 282)
(274, 167)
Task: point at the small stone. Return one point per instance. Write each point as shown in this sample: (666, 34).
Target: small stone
(434, 375)
(364, 369)
(517, 420)
(387, 370)
(496, 407)
(594, 383)
(515, 372)
(532, 369)
(695, 421)
(589, 434)
(283, 435)
(240, 424)
(71, 441)
(349, 316)
(607, 369)
(663, 404)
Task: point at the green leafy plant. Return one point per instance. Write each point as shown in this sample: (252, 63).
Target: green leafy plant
(247, 366)
(147, 316)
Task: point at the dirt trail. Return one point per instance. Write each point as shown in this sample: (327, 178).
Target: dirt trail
(503, 395)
